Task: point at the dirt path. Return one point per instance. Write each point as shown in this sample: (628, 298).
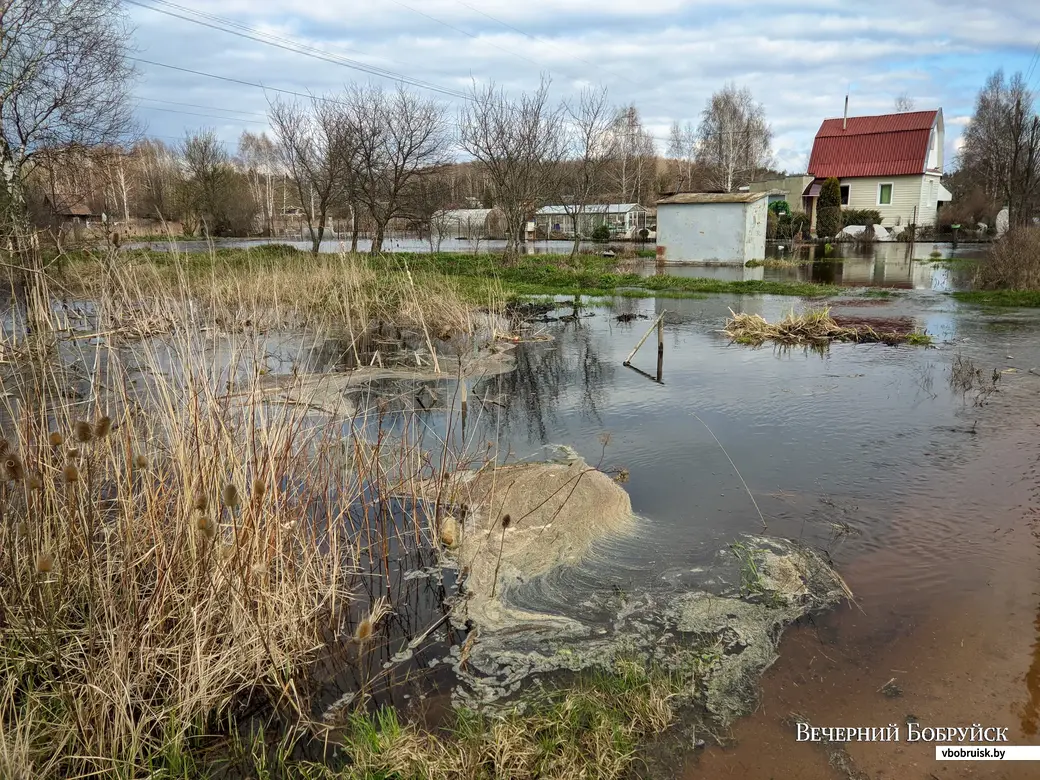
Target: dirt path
(960, 633)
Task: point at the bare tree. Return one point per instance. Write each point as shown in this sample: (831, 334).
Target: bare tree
(401, 136)
(319, 148)
(214, 193)
(519, 143)
(64, 81)
(635, 157)
(258, 155)
(904, 104)
(426, 205)
(682, 148)
(591, 148)
(1002, 146)
(158, 179)
(734, 138)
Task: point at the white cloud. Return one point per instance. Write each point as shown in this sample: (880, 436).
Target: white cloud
(665, 56)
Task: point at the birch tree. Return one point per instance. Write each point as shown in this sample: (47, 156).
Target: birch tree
(734, 138)
(590, 150)
(635, 157)
(258, 156)
(519, 143)
(682, 148)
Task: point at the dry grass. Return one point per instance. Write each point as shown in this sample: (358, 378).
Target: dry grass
(248, 288)
(177, 558)
(1013, 262)
(817, 326)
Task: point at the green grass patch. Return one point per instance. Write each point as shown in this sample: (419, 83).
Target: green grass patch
(586, 275)
(1002, 298)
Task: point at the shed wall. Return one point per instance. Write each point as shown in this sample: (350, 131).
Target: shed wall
(712, 232)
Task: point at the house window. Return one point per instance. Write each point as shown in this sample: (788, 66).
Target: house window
(884, 195)
(845, 194)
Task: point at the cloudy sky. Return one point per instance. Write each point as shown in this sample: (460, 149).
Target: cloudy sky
(665, 56)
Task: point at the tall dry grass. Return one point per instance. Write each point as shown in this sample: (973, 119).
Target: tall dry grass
(1012, 263)
(177, 557)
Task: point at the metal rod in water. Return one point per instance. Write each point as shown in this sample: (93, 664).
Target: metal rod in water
(660, 344)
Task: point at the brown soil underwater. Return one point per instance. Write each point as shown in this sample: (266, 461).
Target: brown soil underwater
(953, 617)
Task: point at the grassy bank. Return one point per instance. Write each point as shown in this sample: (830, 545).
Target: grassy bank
(584, 275)
(472, 277)
(1001, 298)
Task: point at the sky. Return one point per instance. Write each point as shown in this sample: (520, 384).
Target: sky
(664, 56)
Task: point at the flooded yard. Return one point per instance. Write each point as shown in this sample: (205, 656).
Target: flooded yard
(909, 470)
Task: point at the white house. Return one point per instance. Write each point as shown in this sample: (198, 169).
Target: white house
(727, 227)
(625, 220)
(891, 163)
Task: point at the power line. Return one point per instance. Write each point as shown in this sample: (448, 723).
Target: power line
(196, 105)
(244, 31)
(208, 116)
(241, 82)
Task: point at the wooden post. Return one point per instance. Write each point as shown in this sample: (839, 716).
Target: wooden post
(660, 347)
(658, 323)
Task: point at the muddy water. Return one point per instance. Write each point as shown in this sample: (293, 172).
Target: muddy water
(920, 492)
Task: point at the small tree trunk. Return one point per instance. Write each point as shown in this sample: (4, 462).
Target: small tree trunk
(317, 235)
(377, 239)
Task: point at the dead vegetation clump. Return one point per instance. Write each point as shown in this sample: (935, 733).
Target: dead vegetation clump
(817, 326)
(1012, 263)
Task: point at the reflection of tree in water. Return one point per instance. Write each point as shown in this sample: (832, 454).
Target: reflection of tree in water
(545, 373)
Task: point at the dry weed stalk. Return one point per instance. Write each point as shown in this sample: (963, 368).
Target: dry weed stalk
(138, 611)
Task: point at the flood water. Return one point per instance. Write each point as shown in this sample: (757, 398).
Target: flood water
(916, 489)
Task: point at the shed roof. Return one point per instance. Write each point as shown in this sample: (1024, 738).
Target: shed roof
(882, 145)
(592, 208)
(689, 198)
(71, 206)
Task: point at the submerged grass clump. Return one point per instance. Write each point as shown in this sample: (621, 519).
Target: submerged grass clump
(817, 326)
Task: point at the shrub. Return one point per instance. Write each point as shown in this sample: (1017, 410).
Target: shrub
(780, 207)
(601, 233)
(861, 217)
(791, 225)
(828, 217)
(1013, 262)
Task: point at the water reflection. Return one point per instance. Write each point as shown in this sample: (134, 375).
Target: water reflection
(892, 265)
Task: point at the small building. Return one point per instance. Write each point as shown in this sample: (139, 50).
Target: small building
(728, 227)
(789, 188)
(470, 224)
(625, 220)
(891, 163)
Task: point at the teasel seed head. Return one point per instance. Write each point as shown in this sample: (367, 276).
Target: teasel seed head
(207, 527)
(201, 502)
(229, 495)
(141, 461)
(56, 439)
(506, 521)
(259, 488)
(34, 483)
(71, 472)
(84, 433)
(366, 629)
(103, 426)
(44, 563)
(13, 468)
(5, 447)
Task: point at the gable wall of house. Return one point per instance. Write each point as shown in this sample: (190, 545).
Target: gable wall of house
(906, 195)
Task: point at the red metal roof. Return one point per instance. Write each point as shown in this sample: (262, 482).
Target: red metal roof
(885, 145)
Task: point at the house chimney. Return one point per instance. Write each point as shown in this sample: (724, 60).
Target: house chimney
(845, 119)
